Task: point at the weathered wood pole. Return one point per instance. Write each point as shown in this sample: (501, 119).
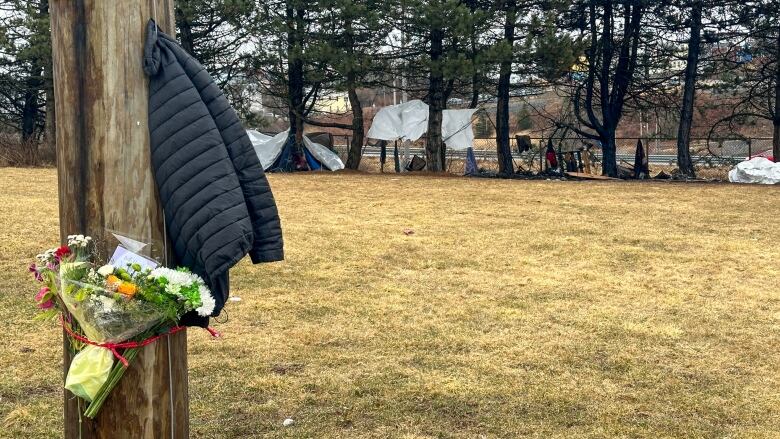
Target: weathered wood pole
(106, 183)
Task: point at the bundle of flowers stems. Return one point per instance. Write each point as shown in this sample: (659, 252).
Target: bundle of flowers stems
(110, 312)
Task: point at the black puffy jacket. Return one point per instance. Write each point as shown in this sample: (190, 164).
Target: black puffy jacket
(217, 202)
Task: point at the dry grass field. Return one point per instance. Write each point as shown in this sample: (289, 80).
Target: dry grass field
(516, 309)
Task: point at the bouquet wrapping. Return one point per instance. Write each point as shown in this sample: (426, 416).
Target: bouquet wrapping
(122, 305)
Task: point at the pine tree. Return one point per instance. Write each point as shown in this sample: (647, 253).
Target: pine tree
(289, 74)
(438, 36)
(532, 53)
(26, 90)
(215, 32)
(348, 35)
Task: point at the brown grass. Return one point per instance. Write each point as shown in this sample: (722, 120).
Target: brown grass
(516, 309)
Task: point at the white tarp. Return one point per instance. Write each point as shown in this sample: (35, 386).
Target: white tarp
(456, 128)
(269, 148)
(323, 155)
(409, 121)
(758, 170)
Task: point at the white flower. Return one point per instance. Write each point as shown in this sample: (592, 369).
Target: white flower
(174, 289)
(207, 302)
(47, 256)
(175, 277)
(106, 302)
(77, 241)
(92, 277)
(182, 279)
(106, 270)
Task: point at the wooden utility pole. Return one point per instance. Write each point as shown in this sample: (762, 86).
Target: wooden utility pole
(106, 184)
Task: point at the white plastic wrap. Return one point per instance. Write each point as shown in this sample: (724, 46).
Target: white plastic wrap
(456, 128)
(407, 121)
(758, 170)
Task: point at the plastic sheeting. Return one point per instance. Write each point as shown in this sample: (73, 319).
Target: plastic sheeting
(758, 170)
(409, 121)
(269, 148)
(328, 158)
(456, 128)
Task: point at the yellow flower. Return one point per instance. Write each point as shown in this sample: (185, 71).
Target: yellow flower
(127, 288)
(113, 282)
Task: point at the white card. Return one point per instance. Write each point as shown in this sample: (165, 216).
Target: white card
(122, 257)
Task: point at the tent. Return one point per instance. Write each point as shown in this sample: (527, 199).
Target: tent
(409, 121)
(276, 153)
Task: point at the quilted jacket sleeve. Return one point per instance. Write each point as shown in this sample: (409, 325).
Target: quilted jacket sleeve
(268, 242)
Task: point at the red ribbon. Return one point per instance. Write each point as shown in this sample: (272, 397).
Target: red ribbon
(128, 344)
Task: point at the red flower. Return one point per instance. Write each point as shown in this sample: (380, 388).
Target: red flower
(41, 294)
(46, 305)
(62, 252)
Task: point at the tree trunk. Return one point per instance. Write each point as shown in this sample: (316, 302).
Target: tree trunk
(295, 71)
(475, 78)
(356, 145)
(474, 91)
(31, 109)
(504, 149)
(776, 120)
(684, 162)
(434, 148)
(106, 183)
(51, 121)
(185, 32)
(609, 154)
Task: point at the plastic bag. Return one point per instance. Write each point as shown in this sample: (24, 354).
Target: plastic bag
(88, 371)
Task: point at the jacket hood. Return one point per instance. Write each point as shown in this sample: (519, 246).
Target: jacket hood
(151, 50)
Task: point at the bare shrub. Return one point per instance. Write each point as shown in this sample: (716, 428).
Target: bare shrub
(32, 152)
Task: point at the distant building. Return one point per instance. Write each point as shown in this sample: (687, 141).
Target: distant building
(336, 103)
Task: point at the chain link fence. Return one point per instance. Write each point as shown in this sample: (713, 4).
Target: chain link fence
(662, 153)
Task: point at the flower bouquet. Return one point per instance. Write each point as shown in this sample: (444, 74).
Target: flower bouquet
(112, 310)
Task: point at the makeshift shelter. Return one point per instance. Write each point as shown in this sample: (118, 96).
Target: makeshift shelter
(277, 153)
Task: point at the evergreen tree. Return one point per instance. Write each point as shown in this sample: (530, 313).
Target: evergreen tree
(438, 35)
(348, 35)
(531, 53)
(289, 73)
(216, 33)
(26, 91)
